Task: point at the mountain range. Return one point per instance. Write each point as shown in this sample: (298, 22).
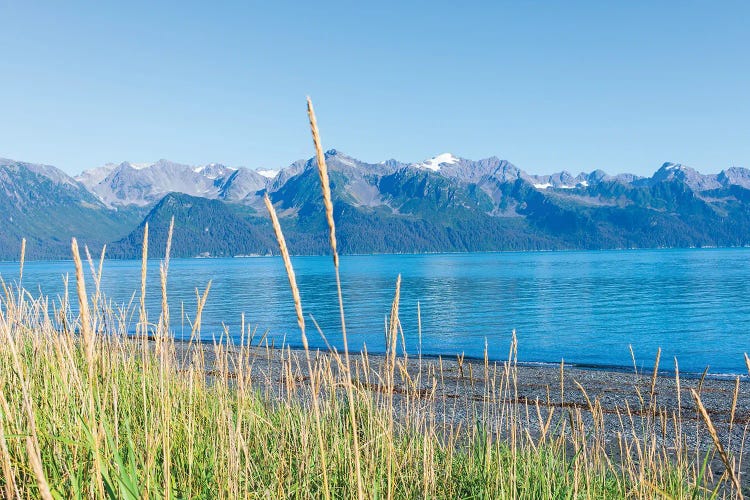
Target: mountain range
(445, 203)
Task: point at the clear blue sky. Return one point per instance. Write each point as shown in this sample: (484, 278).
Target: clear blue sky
(546, 85)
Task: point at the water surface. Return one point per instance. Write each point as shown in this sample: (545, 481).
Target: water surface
(584, 307)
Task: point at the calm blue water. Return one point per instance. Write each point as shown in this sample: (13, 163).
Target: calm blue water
(584, 307)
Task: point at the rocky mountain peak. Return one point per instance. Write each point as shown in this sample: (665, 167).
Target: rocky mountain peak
(694, 179)
(735, 176)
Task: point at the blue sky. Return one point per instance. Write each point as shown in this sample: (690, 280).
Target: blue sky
(546, 85)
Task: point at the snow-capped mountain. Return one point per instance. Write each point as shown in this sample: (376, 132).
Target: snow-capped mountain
(443, 203)
(142, 184)
(696, 180)
(465, 170)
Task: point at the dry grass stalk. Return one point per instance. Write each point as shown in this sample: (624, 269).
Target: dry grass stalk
(326, 190)
(144, 265)
(101, 265)
(679, 389)
(324, 182)
(735, 396)
(11, 491)
(90, 261)
(23, 259)
(168, 250)
(562, 381)
(288, 266)
(88, 342)
(719, 447)
(83, 303)
(301, 322)
(163, 272)
(195, 332)
(391, 366)
(97, 277)
(702, 379)
(585, 395)
(36, 466)
(394, 322)
(654, 375)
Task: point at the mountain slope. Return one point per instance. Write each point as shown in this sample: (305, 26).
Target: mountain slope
(207, 228)
(47, 207)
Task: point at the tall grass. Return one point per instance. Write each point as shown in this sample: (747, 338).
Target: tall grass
(86, 410)
(328, 204)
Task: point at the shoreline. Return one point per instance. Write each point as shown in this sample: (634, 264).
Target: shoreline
(607, 368)
(344, 255)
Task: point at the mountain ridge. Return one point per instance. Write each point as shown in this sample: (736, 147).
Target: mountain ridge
(445, 203)
(222, 178)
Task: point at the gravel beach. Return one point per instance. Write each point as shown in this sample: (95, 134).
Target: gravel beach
(460, 393)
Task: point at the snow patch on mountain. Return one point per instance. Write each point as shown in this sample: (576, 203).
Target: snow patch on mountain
(435, 163)
(268, 173)
(135, 166)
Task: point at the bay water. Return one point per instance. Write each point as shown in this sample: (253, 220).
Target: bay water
(586, 307)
